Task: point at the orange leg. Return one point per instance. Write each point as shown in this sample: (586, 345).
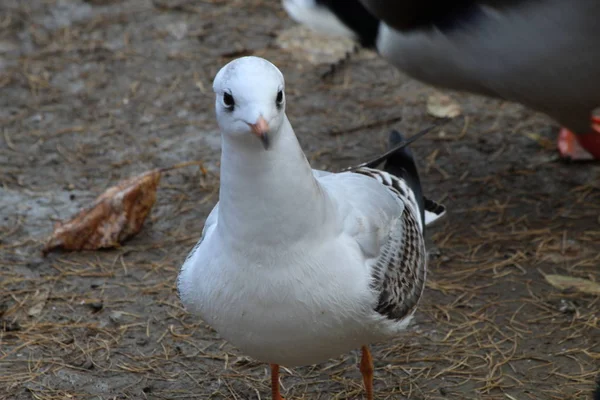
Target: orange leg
(366, 369)
(275, 382)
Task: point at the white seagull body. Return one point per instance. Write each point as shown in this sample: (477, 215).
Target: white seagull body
(296, 266)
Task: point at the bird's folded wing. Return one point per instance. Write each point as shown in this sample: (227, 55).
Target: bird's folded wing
(388, 235)
(366, 210)
(209, 225)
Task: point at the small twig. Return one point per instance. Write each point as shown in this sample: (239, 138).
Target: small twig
(183, 165)
(366, 126)
(403, 144)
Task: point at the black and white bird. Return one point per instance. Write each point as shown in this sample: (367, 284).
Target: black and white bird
(544, 54)
(296, 266)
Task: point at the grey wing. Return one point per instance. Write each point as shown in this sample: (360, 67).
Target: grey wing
(398, 274)
(209, 226)
(380, 212)
(410, 14)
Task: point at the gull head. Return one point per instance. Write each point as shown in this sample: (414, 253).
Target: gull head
(250, 100)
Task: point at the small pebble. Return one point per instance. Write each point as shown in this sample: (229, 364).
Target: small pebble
(96, 306)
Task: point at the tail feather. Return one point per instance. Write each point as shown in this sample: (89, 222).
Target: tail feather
(597, 391)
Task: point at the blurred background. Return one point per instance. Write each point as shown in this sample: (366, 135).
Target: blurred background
(94, 92)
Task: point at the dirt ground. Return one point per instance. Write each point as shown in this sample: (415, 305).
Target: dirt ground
(93, 92)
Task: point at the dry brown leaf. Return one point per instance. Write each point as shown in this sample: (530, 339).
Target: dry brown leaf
(115, 216)
(442, 106)
(563, 282)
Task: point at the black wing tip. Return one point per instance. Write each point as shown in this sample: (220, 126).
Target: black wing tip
(401, 163)
(433, 206)
(403, 155)
(395, 138)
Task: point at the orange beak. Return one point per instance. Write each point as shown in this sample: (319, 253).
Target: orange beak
(261, 129)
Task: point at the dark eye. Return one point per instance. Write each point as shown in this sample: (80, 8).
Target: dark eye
(228, 101)
(279, 98)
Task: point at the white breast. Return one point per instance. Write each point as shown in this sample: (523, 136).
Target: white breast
(291, 310)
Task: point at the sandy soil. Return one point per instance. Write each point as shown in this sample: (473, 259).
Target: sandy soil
(96, 91)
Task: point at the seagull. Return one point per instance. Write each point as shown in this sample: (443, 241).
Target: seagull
(544, 54)
(297, 266)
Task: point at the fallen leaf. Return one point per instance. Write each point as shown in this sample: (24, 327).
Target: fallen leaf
(442, 106)
(115, 216)
(39, 300)
(563, 282)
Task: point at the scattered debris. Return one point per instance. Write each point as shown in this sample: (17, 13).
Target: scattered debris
(317, 49)
(563, 282)
(178, 30)
(39, 301)
(567, 307)
(442, 106)
(543, 142)
(96, 305)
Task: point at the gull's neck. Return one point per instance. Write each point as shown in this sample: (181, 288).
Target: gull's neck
(269, 198)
